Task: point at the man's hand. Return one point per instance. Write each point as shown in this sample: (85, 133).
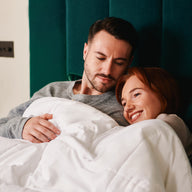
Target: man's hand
(39, 129)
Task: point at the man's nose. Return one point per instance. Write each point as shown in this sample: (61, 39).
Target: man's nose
(107, 67)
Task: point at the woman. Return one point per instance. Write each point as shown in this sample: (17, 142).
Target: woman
(149, 93)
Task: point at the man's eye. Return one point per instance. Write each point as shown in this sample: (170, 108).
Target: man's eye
(119, 63)
(100, 58)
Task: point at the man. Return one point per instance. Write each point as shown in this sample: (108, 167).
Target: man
(107, 55)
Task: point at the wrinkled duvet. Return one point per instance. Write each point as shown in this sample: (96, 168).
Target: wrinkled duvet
(94, 154)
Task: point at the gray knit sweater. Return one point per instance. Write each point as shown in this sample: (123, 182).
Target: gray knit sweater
(12, 125)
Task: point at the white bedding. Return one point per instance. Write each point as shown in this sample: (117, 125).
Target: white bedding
(94, 154)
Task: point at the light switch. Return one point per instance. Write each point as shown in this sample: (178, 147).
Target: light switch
(6, 49)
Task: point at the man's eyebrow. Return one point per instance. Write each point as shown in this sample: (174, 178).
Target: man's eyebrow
(100, 53)
(119, 58)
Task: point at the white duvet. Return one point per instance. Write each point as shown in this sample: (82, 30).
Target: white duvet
(94, 154)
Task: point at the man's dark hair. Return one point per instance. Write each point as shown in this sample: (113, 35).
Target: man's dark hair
(119, 28)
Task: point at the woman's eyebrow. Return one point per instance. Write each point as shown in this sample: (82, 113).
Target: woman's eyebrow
(132, 90)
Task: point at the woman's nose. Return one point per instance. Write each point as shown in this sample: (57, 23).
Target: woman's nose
(129, 107)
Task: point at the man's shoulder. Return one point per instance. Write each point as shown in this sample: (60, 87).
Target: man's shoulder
(59, 83)
(55, 89)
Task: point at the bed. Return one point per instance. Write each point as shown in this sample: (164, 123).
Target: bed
(94, 153)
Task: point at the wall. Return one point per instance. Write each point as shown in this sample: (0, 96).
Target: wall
(14, 72)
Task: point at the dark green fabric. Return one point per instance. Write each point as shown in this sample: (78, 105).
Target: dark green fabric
(177, 48)
(177, 37)
(146, 17)
(47, 42)
(80, 16)
(59, 29)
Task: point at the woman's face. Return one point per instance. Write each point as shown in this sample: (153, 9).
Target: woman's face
(139, 102)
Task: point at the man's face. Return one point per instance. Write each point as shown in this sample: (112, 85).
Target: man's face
(106, 59)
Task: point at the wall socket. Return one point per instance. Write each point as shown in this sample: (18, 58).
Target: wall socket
(6, 49)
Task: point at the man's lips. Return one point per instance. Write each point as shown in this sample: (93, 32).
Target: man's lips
(105, 79)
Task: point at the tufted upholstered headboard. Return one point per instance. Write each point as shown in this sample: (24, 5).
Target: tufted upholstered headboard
(59, 28)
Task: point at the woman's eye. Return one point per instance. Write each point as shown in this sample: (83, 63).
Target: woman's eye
(123, 104)
(136, 94)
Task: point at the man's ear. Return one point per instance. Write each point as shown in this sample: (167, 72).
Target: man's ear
(85, 50)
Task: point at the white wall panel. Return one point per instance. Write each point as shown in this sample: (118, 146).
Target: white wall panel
(14, 72)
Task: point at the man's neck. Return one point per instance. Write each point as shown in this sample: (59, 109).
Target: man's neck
(82, 88)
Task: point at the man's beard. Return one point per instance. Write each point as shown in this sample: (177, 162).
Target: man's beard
(102, 88)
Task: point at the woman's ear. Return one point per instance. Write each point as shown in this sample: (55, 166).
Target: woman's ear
(85, 50)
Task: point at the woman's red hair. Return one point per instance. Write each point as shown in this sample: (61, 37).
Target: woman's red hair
(159, 81)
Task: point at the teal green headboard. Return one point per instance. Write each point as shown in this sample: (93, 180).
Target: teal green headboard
(59, 28)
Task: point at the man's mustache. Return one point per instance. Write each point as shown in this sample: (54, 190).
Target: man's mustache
(106, 76)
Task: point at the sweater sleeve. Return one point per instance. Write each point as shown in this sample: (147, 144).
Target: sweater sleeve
(12, 125)
(180, 128)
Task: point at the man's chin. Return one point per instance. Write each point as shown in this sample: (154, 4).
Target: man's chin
(104, 89)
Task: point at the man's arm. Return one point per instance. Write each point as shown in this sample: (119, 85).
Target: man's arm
(12, 125)
(34, 129)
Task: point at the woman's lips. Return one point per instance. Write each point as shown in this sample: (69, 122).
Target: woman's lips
(134, 116)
